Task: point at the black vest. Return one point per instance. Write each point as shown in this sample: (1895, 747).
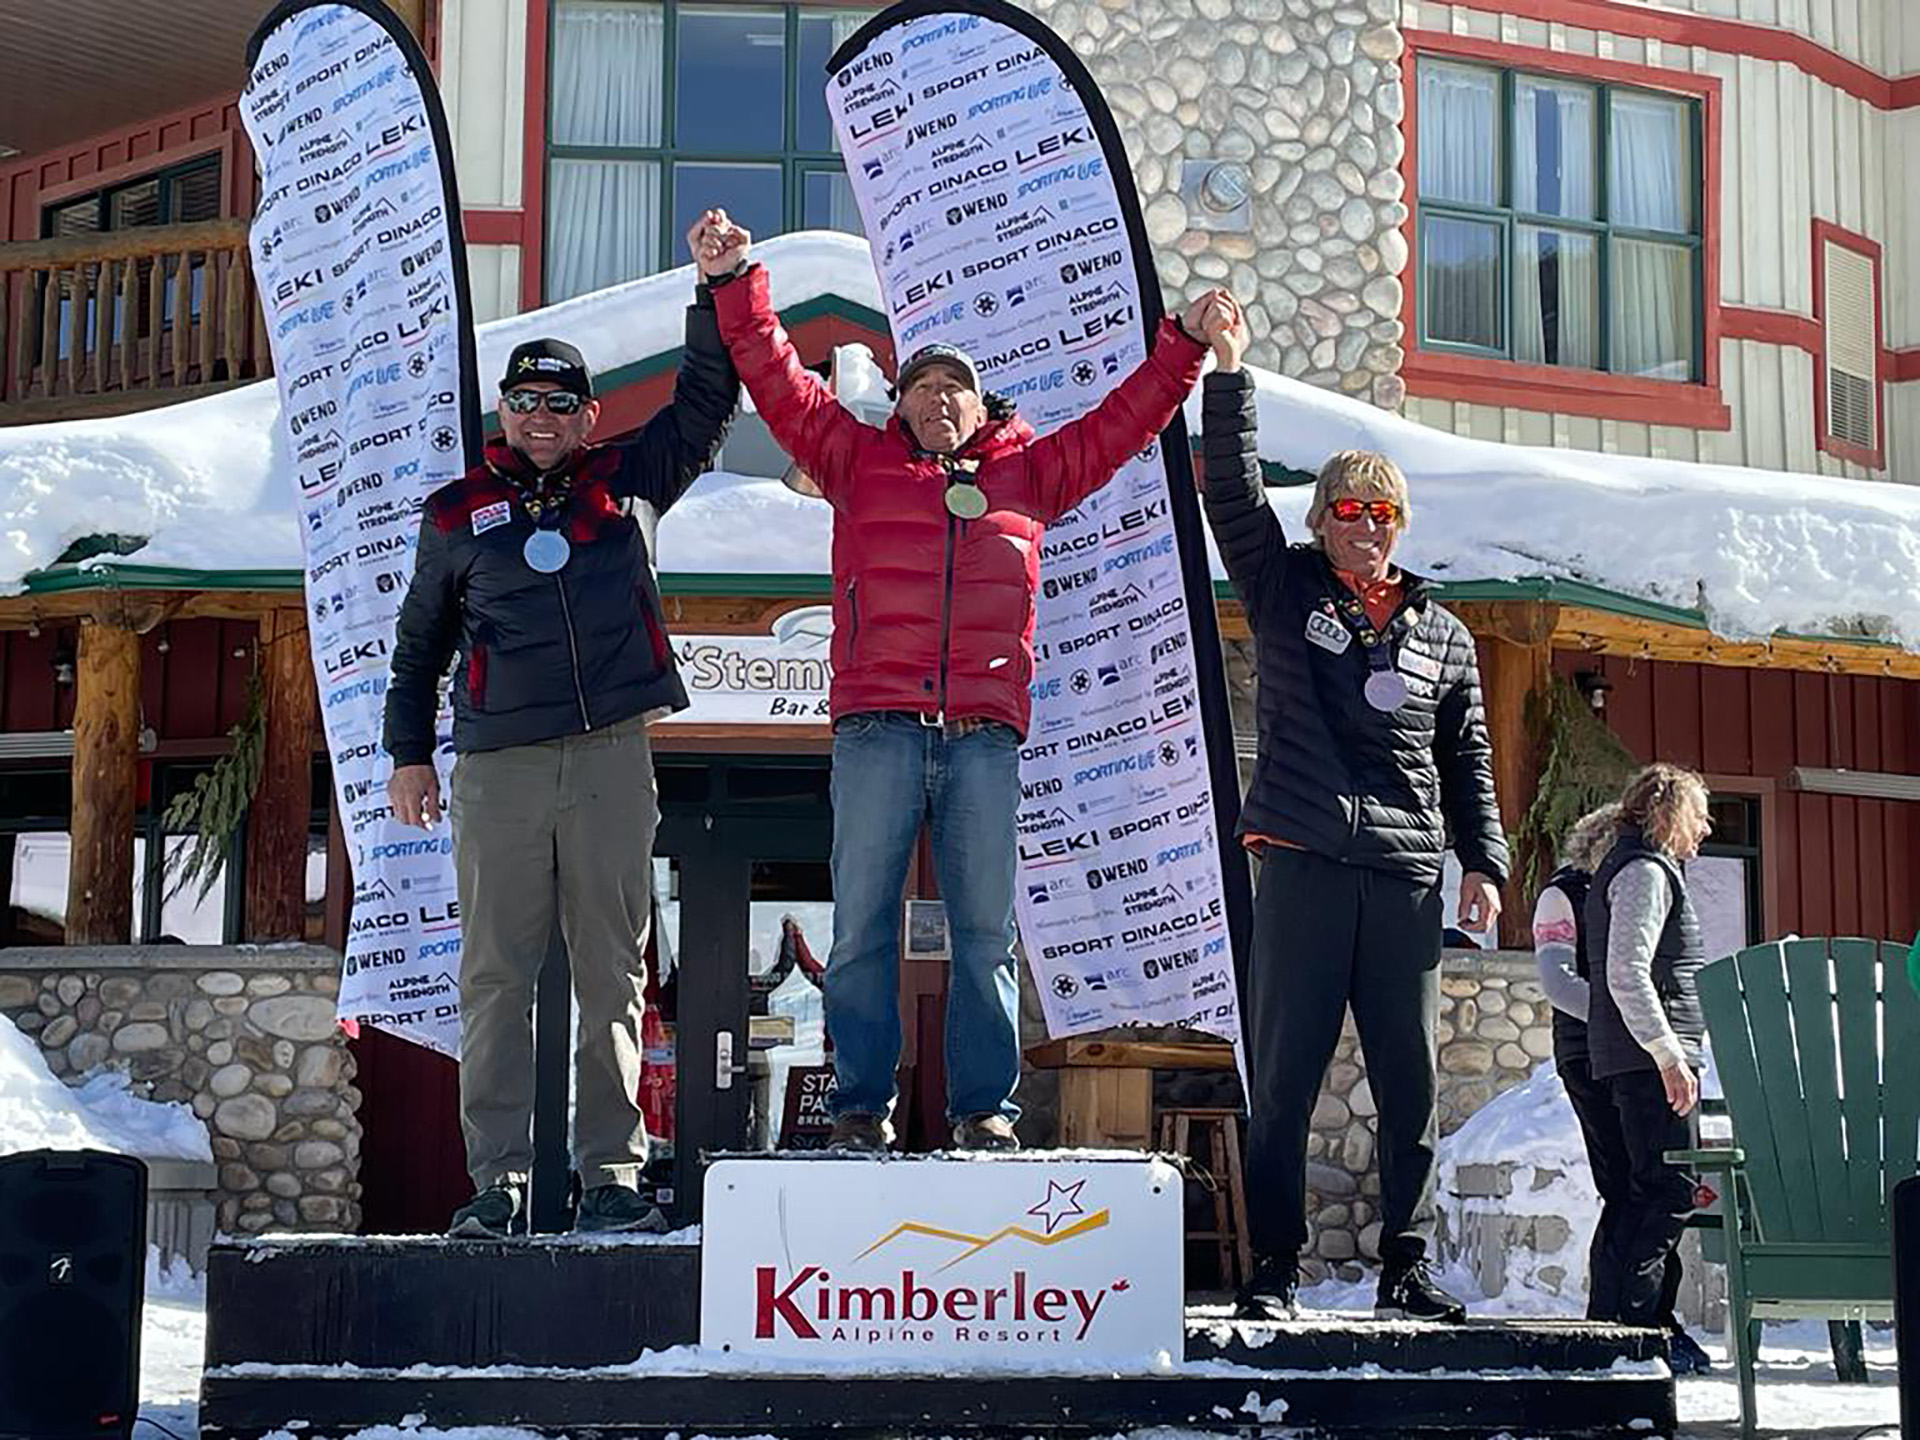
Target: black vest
(1676, 958)
(1569, 1031)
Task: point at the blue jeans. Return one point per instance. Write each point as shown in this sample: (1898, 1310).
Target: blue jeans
(890, 772)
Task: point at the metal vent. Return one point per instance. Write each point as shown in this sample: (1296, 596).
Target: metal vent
(1852, 347)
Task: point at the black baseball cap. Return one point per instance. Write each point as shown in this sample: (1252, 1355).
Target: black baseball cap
(551, 360)
(939, 353)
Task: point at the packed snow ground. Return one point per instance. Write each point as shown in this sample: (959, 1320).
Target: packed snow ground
(209, 485)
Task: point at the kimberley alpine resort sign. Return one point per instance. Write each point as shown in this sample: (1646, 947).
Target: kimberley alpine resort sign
(1001, 1263)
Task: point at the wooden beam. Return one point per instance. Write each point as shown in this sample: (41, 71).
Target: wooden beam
(1131, 1054)
(141, 610)
(106, 750)
(283, 804)
(1600, 632)
(1513, 672)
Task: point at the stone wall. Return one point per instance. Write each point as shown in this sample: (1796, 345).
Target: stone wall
(245, 1035)
(1302, 100)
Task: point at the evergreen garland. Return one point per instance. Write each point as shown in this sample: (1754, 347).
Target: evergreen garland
(216, 807)
(1583, 766)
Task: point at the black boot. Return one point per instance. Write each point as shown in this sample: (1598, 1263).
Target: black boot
(1408, 1292)
(1685, 1355)
(1271, 1292)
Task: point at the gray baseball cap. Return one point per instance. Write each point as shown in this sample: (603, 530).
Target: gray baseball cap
(952, 356)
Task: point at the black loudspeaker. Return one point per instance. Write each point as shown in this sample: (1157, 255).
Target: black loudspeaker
(1906, 1299)
(73, 1273)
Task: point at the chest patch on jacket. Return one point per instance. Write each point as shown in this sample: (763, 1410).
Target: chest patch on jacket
(1425, 667)
(1328, 633)
(488, 516)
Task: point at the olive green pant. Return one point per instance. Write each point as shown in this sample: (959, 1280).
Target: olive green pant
(562, 825)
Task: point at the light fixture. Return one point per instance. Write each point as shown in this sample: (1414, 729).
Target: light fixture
(1218, 195)
(63, 667)
(1593, 686)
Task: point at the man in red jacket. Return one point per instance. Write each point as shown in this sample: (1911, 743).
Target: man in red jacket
(936, 557)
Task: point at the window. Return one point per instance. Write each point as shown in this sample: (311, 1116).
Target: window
(1847, 305)
(1559, 221)
(179, 195)
(660, 109)
(1724, 880)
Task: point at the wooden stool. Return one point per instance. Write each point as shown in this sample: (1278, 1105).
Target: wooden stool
(1106, 1086)
(1222, 1177)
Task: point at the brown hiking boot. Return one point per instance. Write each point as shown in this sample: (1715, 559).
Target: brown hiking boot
(856, 1134)
(985, 1132)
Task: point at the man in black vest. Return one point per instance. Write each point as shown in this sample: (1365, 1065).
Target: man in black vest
(1644, 1026)
(531, 569)
(1373, 759)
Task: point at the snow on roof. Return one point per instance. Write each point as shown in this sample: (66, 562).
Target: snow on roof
(208, 483)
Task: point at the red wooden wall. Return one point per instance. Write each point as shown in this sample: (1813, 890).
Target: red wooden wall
(1833, 865)
(195, 689)
(29, 182)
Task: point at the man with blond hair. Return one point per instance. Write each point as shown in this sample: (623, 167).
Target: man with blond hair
(1373, 760)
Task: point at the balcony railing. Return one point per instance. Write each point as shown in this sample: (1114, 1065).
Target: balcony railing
(111, 323)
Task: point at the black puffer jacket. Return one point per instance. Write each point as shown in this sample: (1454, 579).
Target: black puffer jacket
(1334, 775)
(549, 655)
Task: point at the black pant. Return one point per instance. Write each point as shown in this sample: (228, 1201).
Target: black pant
(1326, 935)
(1607, 1158)
(1636, 1261)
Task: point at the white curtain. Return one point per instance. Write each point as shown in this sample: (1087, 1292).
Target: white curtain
(1650, 177)
(609, 73)
(603, 224)
(1556, 286)
(1553, 148)
(1459, 134)
(607, 88)
(1459, 161)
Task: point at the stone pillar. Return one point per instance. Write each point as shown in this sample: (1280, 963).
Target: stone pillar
(1305, 97)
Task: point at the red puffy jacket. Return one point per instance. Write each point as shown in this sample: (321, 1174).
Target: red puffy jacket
(932, 614)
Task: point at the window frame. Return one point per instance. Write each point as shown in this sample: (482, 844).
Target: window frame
(1873, 457)
(162, 176)
(1508, 219)
(1481, 378)
(794, 163)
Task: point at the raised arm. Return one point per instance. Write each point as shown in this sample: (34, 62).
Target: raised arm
(806, 421)
(678, 444)
(1056, 473)
(1253, 547)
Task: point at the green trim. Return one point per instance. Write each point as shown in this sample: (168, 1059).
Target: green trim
(62, 579)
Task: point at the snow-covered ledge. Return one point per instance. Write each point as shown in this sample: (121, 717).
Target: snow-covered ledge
(243, 1034)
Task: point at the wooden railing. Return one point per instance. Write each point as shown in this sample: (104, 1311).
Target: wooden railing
(105, 324)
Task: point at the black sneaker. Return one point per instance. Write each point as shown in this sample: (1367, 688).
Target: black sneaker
(857, 1134)
(985, 1132)
(1685, 1355)
(494, 1214)
(1408, 1292)
(1271, 1292)
(611, 1209)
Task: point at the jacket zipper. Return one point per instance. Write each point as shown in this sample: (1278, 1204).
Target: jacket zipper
(853, 618)
(946, 615)
(573, 651)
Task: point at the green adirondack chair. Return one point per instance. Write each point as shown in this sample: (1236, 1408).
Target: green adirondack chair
(1818, 1047)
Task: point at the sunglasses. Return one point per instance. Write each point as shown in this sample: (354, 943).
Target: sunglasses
(1348, 509)
(558, 402)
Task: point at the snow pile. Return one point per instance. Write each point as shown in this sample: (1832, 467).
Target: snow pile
(1532, 1133)
(38, 1112)
(208, 484)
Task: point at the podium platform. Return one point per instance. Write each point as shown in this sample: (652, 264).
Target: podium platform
(548, 1334)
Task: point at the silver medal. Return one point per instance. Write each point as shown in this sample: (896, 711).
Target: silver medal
(1386, 690)
(547, 551)
(966, 500)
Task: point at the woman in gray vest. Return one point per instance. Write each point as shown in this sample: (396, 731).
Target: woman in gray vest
(1644, 1027)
